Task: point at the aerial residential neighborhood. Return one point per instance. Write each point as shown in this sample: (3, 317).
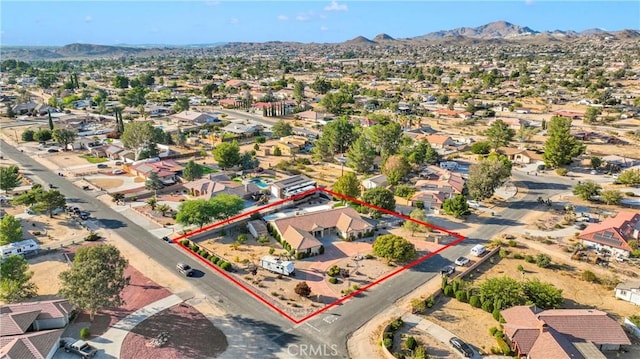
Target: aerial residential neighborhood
(466, 193)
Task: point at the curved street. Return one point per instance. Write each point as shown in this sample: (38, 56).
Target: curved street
(326, 333)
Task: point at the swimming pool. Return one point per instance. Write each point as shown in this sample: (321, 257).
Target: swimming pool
(260, 183)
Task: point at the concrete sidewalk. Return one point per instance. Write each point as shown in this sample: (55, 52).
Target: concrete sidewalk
(110, 343)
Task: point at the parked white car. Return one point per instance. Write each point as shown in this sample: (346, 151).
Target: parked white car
(117, 172)
(474, 204)
(462, 261)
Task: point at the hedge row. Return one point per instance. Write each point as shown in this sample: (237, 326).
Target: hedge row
(207, 255)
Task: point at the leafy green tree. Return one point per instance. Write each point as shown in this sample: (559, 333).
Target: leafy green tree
(195, 212)
(339, 134)
(182, 104)
(298, 91)
(587, 190)
(611, 196)
(525, 133)
(321, 86)
(485, 176)
(27, 135)
(596, 162)
(419, 215)
(10, 229)
(227, 154)
(15, 280)
(480, 148)
(28, 198)
(334, 101)
(163, 208)
(248, 160)
(209, 89)
(134, 97)
(630, 177)
(138, 136)
(192, 171)
(396, 167)
(49, 201)
(225, 206)
(347, 185)
(9, 178)
(591, 115)
(456, 206)
(42, 135)
(96, 279)
(379, 197)
(542, 295)
(360, 155)
(64, 136)
(120, 82)
(281, 129)
(404, 191)
(394, 248)
(561, 147)
(385, 138)
(153, 183)
(499, 134)
(153, 202)
(507, 291)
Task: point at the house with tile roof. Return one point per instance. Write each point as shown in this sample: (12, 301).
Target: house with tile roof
(613, 233)
(194, 117)
(167, 170)
(561, 333)
(520, 155)
(302, 231)
(33, 329)
(435, 186)
(208, 187)
(439, 142)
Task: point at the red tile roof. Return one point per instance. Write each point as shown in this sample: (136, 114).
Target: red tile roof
(618, 230)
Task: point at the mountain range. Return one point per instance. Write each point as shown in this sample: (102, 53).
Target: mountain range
(494, 31)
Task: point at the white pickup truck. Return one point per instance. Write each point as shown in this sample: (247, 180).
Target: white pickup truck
(80, 347)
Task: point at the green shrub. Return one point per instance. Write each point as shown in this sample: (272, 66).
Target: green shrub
(474, 300)
(589, 276)
(205, 255)
(492, 331)
(487, 306)
(396, 324)
(333, 271)
(520, 268)
(429, 302)
(517, 256)
(543, 260)
(92, 236)
(448, 291)
(226, 266)
(185, 242)
(418, 305)
(411, 343)
(503, 253)
(496, 314)
(512, 243)
(388, 343)
(85, 333)
(214, 259)
(333, 280)
(461, 296)
(420, 353)
(529, 258)
(562, 171)
(504, 347)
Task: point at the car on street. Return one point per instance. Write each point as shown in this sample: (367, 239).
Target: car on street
(52, 150)
(80, 347)
(473, 204)
(184, 269)
(448, 270)
(594, 172)
(462, 347)
(29, 211)
(103, 165)
(117, 172)
(462, 261)
(84, 215)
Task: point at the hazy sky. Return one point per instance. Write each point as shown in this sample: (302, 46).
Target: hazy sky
(26, 22)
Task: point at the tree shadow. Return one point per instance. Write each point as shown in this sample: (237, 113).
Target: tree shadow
(112, 223)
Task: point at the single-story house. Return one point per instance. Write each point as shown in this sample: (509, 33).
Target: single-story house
(439, 142)
(113, 151)
(314, 116)
(191, 117)
(167, 170)
(375, 181)
(619, 161)
(99, 151)
(291, 186)
(520, 155)
(613, 233)
(301, 231)
(243, 129)
(561, 333)
(628, 291)
(257, 228)
(205, 188)
(33, 345)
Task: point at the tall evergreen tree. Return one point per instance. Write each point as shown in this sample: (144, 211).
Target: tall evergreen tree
(561, 147)
(50, 120)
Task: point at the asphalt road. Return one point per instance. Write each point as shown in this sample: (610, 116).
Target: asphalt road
(326, 334)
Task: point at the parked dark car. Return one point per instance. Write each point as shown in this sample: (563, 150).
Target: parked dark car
(462, 347)
(448, 270)
(84, 215)
(102, 165)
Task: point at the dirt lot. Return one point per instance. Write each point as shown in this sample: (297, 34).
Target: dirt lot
(472, 324)
(46, 269)
(46, 230)
(107, 183)
(435, 348)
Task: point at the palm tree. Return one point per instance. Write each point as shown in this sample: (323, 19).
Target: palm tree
(152, 202)
(164, 208)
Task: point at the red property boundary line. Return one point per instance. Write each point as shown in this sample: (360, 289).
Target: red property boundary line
(459, 239)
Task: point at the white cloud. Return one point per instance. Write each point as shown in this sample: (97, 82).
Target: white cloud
(323, 28)
(234, 20)
(283, 17)
(303, 17)
(88, 18)
(334, 6)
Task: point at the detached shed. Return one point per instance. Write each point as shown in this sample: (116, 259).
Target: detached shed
(257, 228)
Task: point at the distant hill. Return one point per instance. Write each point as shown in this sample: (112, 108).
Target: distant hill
(383, 37)
(360, 40)
(90, 50)
(493, 30)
